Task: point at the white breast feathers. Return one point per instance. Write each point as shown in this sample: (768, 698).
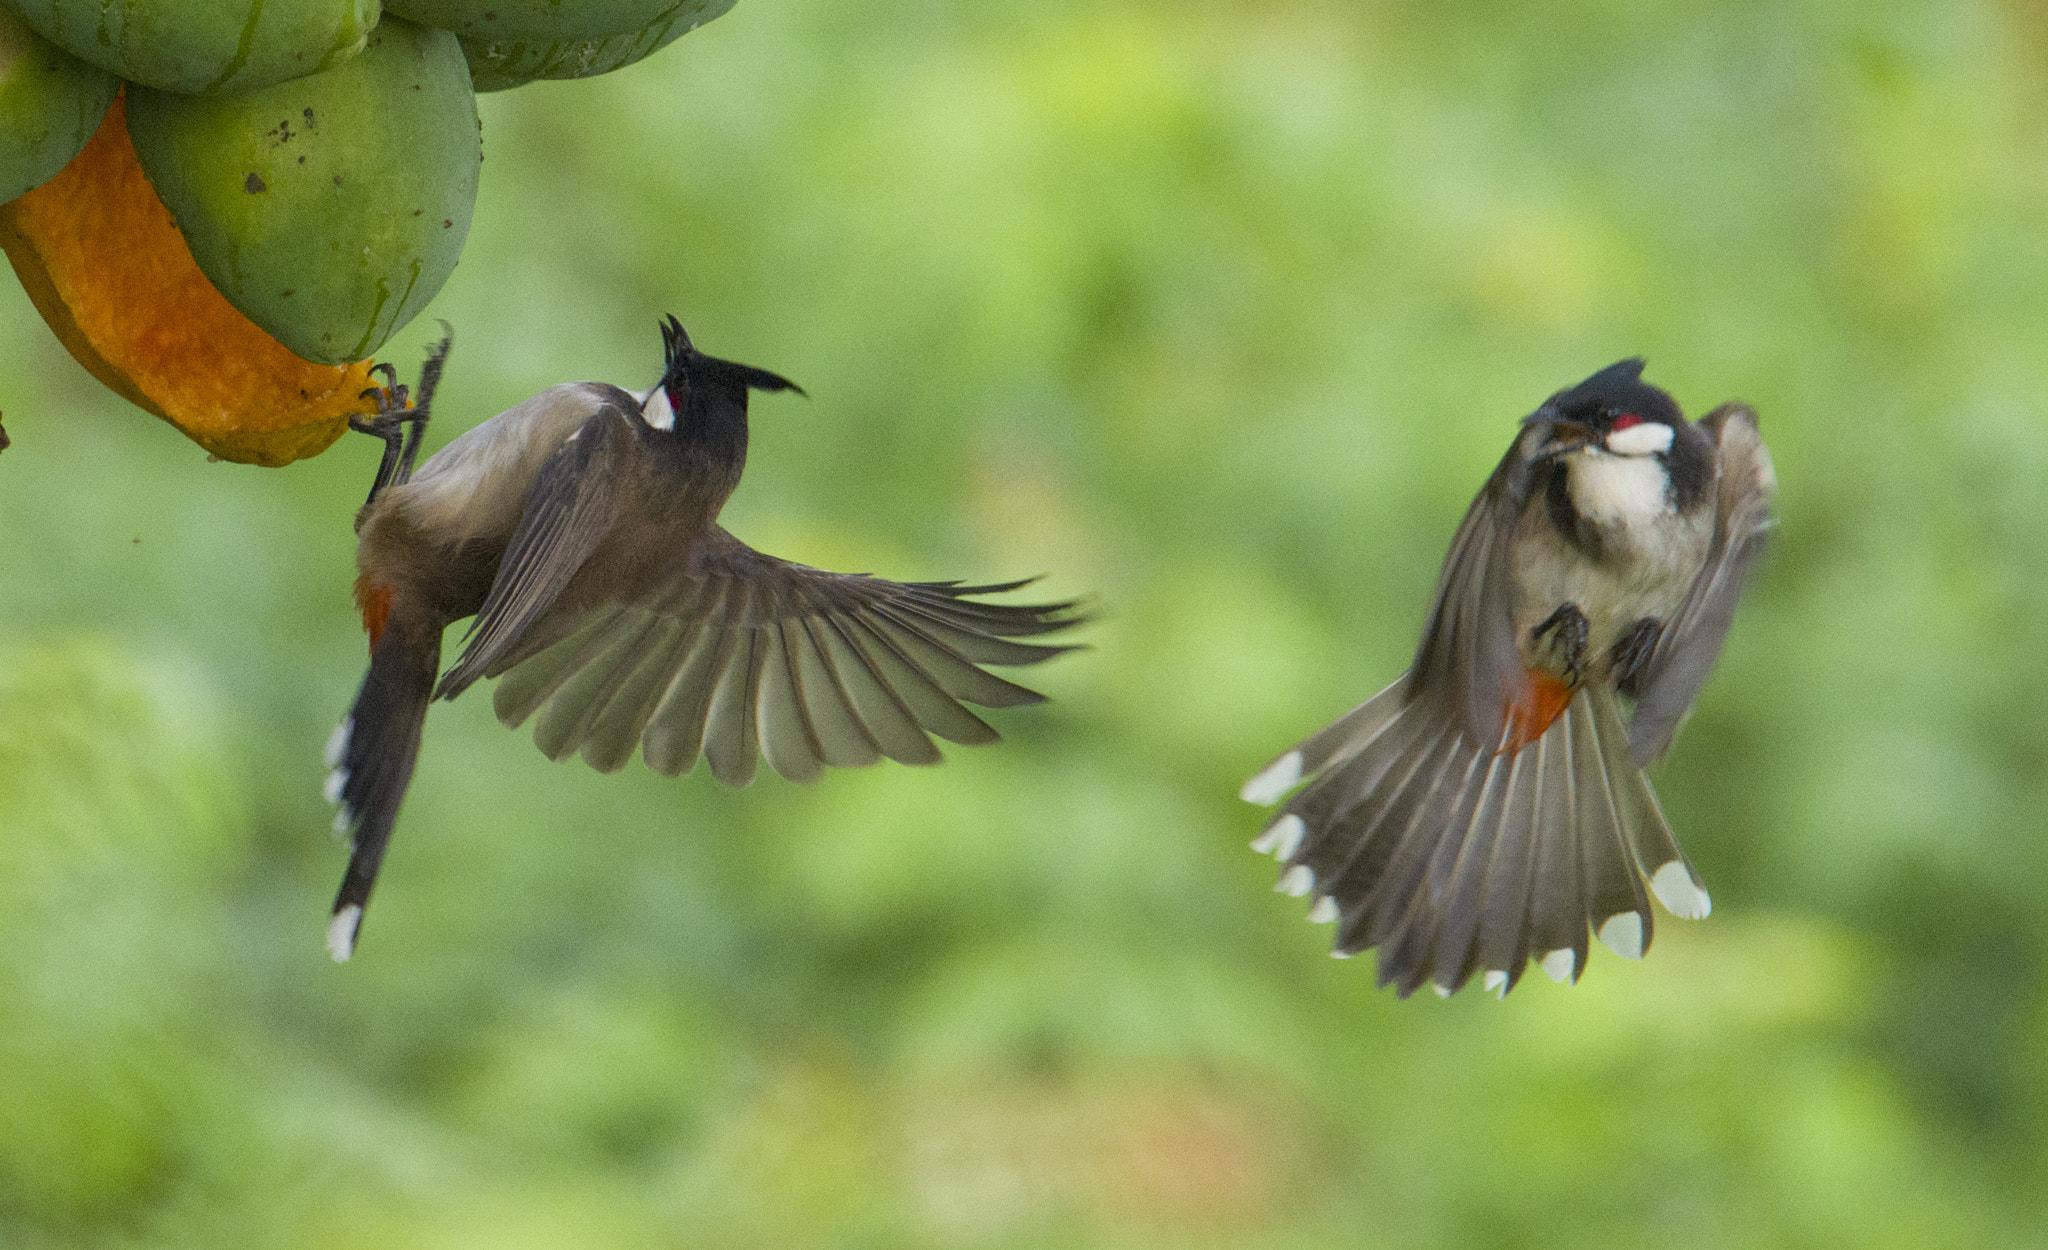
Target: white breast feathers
(1617, 490)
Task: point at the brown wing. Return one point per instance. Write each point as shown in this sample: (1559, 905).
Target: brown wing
(740, 653)
(566, 516)
(1690, 642)
(1468, 651)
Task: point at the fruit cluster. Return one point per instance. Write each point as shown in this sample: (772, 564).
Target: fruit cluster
(223, 207)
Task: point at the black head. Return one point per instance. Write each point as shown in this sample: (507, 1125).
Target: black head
(674, 342)
(701, 400)
(1603, 406)
(685, 370)
(1616, 413)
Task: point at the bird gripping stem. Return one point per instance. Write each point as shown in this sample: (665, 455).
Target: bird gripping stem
(395, 413)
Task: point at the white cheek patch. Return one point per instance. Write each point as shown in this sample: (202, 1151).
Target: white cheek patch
(1645, 439)
(660, 414)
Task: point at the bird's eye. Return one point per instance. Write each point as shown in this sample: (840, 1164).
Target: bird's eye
(1625, 420)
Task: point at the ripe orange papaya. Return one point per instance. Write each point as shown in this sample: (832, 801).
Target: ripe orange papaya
(104, 263)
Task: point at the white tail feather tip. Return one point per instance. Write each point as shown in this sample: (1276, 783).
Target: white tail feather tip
(341, 932)
(1324, 911)
(1297, 881)
(1674, 887)
(1291, 829)
(1558, 964)
(1277, 779)
(1281, 838)
(1495, 982)
(1623, 934)
(337, 781)
(337, 742)
(1442, 991)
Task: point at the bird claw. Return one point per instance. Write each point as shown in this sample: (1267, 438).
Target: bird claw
(1632, 651)
(389, 422)
(392, 398)
(1569, 636)
(395, 411)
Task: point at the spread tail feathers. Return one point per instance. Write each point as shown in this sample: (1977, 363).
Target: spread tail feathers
(1459, 858)
(372, 754)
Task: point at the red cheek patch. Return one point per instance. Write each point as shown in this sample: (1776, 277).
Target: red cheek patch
(1625, 420)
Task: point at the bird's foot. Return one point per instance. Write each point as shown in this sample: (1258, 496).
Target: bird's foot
(1632, 650)
(399, 421)
(1567, 634)
(390, 397)
(394, 407)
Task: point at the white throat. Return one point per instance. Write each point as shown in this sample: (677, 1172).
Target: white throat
(1611, 490)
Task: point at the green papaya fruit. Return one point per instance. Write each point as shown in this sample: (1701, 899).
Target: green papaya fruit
(50, 104)
(329, 209)
(497, 63)
(204, 46)
(551, 20)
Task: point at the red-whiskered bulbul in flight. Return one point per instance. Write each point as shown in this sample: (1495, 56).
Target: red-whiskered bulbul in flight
(580, 529)
(1488, 807)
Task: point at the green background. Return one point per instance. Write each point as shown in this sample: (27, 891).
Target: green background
(1221, 309)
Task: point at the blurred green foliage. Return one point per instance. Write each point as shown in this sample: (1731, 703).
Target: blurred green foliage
(1221, 308)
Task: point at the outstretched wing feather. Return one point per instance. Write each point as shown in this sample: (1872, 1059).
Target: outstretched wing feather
(881, 709)
(739, 654)
(787, 738)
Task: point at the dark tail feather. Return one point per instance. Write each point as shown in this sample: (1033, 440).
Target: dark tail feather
(372, 754)
(1459, 862)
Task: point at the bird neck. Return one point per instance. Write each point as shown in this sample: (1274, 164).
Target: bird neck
(709, 436)
(1690, 462)
(710, 419)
